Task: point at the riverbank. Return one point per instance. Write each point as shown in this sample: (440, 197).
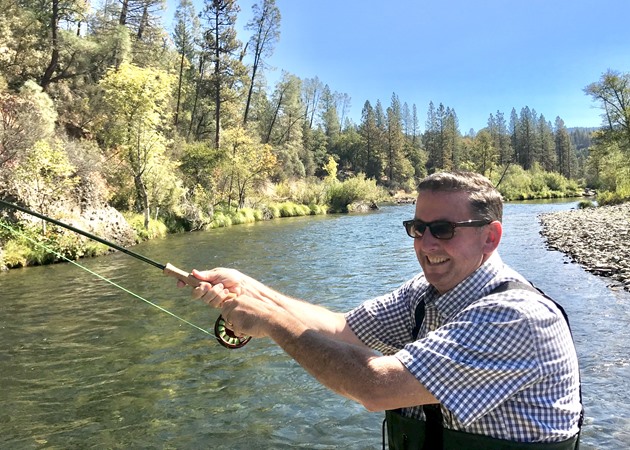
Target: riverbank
(596, 238)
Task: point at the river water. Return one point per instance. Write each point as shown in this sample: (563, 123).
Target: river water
(84, 364)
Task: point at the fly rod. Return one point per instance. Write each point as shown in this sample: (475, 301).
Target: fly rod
(224, 335)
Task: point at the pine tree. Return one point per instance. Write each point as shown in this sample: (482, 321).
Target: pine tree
(265, 26)
(222, 50)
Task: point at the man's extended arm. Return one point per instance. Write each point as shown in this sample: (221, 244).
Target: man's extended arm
(318, 339)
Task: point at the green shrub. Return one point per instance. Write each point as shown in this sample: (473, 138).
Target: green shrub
(244, 215)
(288, 209)
(272, 211)
(583, 204)
(340, 195)
(16, 254)
(156, 228)
(220, 220)
(612, 198)
(317, 210)
(555, 181)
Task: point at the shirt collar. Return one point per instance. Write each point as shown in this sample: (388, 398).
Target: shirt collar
(469, 290)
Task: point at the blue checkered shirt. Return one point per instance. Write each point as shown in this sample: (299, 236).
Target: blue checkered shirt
(501, 365)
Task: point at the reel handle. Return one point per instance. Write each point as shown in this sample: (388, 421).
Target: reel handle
(224, 334)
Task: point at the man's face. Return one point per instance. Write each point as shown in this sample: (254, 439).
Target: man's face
(446, 263)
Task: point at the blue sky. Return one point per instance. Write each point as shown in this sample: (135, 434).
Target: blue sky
(476, 57)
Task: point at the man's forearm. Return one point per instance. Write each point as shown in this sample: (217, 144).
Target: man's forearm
(337, 365)
(377, 382)
(312, 316)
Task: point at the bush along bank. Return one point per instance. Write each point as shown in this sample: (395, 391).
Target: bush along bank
(596, 238)
(23, 243)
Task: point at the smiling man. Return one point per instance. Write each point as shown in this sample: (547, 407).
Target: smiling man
(466, 355)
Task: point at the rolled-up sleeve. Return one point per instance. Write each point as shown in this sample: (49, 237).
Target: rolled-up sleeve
(385, 323)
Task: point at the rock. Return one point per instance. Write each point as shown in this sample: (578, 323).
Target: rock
(596, 238)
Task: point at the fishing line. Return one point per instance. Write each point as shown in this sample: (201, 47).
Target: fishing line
(113, 283)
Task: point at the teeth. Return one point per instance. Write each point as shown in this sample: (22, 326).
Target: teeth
(436, 260)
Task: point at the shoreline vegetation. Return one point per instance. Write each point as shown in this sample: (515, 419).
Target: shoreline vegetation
(27, 241)
(596, 238)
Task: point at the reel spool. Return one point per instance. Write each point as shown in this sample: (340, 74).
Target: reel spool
(226, 336)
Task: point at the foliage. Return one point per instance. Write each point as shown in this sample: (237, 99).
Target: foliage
(613, 198)
(134, 132)
(519, 184)
(583, 204)
(305, 191)
(612, 91)
(25, 118)
(45, 176)
(28, 246)
(156, 228)
(290, 209)
(245, 163)
(221, 220)
(358, 188)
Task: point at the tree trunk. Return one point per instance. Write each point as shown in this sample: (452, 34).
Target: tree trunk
(54, 57)
(143, 198)
(124, 10)
(179, 86)
(217, 87)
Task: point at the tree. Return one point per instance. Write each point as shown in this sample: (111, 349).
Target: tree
(524, 133)
(369, 160)
(246, 163)
(330, 115)
(430, 139)
(613, 93)
(185, 37)
(565, 153)
(61, 10)
(312, 90)
(442, 139)
(44, 177)
(547, 148)
(25, 119)
(266, 28)
(222, 50)
(500, 136)
(452, 140)
(134, 133)
(282, 121)
(484, 156)
(397, 168)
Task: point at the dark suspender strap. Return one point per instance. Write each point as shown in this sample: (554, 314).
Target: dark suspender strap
(419, 319)
(432, 413)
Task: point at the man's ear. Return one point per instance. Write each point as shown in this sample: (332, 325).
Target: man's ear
(493, 236)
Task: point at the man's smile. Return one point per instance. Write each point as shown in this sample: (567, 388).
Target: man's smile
(434, 260)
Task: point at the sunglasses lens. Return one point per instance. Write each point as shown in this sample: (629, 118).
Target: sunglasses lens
(414, 228)
(441, 230)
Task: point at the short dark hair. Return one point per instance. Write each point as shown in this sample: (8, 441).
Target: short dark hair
(485, 199)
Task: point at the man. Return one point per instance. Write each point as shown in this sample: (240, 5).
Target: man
(496, 360)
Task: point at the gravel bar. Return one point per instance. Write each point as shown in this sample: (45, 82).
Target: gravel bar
(597, 238)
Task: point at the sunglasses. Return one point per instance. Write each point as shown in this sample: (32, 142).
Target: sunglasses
(440, 229)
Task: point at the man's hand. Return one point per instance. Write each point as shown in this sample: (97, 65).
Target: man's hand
(249, 316)
(217, 285)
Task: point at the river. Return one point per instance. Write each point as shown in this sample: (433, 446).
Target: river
(84, 364)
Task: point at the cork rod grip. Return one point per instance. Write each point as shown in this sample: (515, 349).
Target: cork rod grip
(172, 271)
